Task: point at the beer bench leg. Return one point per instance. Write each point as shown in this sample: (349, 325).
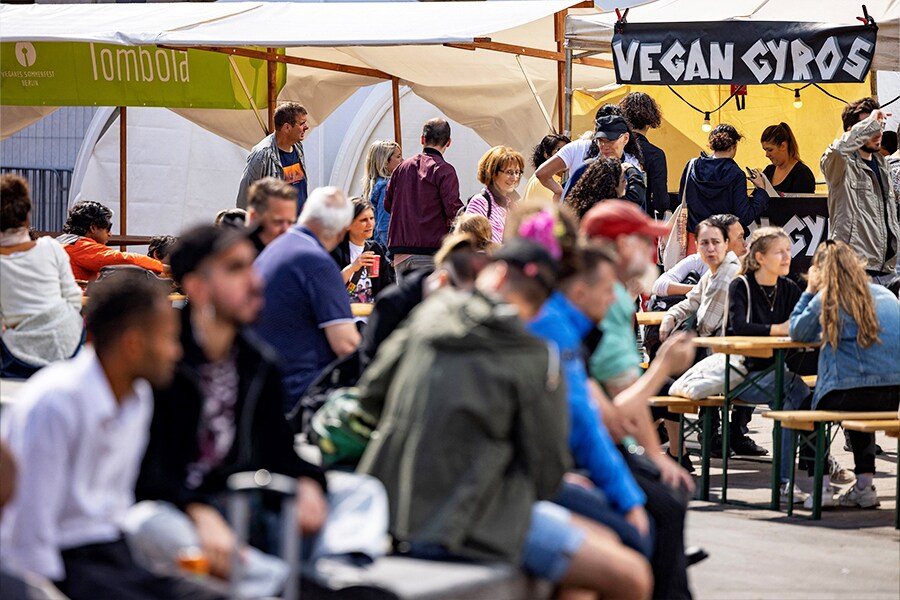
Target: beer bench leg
(819, 471)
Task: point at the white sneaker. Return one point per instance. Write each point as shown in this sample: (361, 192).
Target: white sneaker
(829, 498)
(799, 495)
(839, 475)
(861, 498)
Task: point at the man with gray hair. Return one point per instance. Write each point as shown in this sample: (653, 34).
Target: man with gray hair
(306, 316)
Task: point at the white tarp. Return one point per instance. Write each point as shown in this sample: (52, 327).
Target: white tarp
(482, 89)
(272, 24)
(595, 32)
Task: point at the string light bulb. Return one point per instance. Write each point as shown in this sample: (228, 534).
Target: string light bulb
(707, 126)
(798, 103)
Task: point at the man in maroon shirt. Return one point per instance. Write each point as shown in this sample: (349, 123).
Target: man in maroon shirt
(422, 199)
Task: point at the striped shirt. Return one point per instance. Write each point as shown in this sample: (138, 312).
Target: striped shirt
(478, 205)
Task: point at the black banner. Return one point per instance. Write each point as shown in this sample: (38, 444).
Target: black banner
(742, 53)
(805, 219)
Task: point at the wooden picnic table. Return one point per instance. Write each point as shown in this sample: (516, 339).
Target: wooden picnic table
(756, 347)
(650, 317)
(361, 309)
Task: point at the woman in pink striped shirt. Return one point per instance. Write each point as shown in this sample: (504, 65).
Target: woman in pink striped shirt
(500, 170)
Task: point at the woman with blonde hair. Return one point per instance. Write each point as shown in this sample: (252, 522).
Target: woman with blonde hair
(500, 170)
(761, 299)
(859, 325)
(381, 160)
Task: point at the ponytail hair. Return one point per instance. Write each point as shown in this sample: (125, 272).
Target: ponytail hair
(781, 134)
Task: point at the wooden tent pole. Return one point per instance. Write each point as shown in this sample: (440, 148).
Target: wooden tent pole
(559, 31)
(271, 72)
(123, 173)
(395, 97)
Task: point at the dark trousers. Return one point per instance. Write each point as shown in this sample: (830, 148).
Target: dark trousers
(107, 570)
(862, 400)
(667, 507)
(594, 505)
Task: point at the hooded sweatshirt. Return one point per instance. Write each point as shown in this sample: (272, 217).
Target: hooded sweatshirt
(473, 425)
(715, 186)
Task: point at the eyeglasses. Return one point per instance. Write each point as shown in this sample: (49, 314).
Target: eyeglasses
(607, 141)
(515, 174)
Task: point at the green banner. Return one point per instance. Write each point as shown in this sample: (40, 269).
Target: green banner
(89, 74)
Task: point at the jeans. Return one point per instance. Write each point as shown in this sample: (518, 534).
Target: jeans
(796, 395)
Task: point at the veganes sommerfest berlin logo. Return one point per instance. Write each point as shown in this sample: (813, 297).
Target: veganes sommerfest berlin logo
(25, 53)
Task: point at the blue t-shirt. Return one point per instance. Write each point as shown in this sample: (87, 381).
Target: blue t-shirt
(294, 175)
(304, 293)
(873, 164)
(592, 448)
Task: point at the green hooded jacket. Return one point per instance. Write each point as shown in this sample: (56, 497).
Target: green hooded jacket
(473, 426)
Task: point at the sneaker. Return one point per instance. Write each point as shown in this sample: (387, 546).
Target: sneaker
(829, 498)
(839, 475)
(745, 446)
(860, 498)
(799, 495)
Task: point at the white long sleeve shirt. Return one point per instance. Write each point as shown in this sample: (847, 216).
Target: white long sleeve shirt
(676, 274)
(78, 453)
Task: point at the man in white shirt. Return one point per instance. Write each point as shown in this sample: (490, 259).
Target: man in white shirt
(78, 433)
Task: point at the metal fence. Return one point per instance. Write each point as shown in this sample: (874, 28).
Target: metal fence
(49, 195)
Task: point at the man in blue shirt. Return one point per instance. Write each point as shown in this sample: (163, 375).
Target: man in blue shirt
(307, 316)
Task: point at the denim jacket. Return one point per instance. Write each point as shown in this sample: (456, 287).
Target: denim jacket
(849, 366)
(382, 217)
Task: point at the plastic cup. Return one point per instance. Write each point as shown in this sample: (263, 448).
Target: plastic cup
(375, 271)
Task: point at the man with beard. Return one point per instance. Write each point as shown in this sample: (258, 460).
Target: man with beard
(78, 432)
(223, 415)
(861, 203)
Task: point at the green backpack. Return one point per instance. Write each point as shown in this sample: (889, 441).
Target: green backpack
(342, 428)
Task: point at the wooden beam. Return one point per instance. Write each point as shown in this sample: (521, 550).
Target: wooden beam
(395, 101)
(559, 56)
(603, 63)
(272, 88)
(559, 32)
(123, 173)
(509, 49)
(291, 60)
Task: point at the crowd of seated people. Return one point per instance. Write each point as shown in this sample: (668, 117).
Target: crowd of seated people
(499, 374)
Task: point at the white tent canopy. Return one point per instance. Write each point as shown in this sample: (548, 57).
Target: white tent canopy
(487, 91)
(595, 32)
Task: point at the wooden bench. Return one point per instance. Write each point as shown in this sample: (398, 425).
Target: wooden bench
(820, 422)
(891, 428)
(703, 427)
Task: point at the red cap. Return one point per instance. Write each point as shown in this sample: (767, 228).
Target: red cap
(612, 218)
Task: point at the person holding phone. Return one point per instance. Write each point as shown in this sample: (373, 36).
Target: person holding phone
(788, 174)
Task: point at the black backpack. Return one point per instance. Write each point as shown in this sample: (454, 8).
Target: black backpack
(486, 195)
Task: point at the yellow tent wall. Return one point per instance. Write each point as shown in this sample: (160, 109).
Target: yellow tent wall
(816, 124)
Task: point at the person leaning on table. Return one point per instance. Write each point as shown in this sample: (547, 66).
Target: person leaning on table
(859, 324)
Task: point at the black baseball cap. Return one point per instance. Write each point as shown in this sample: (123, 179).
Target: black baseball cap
(610, 127)
(531, 258)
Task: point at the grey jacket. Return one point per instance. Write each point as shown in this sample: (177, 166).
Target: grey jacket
(473, 428)
(859, 214)
(264, 161)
